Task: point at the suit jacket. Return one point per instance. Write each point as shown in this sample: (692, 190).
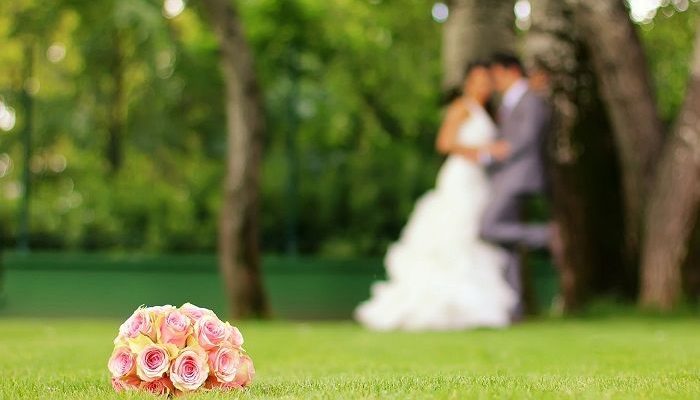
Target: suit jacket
(525, 127)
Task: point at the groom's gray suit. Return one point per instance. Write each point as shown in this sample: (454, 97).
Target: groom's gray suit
(524, 127)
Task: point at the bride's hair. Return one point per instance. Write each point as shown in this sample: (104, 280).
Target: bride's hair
(489, 106)
(454, 92)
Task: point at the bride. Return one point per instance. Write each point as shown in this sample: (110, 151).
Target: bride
(441, 275)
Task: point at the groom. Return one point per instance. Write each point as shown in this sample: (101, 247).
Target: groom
(516, 167)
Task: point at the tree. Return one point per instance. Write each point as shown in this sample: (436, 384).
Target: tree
(581, 159)
(475, 29)
(660, 187)
(117, 103)
(626, 90)
(120, 43)
(674, 203)
(551, 44)
(239, 256)
(106, 64)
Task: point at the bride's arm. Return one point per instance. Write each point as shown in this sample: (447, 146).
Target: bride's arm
(447, 143)
(470, 152)
(447, 136)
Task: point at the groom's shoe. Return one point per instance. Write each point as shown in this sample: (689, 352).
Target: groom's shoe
(517, 314)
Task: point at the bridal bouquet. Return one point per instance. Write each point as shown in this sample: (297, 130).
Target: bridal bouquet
(168, 351)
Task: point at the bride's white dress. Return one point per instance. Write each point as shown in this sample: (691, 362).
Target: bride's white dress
(441, 275)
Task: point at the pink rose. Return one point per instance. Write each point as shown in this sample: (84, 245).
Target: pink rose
(122, 362)
(128, 383)
(210, 332)
(175, 328)
(243, 377)
(223, 363)
(139, 322)
(194, 312)
(152, 362)
(156, 311)
(160, 309)
(245, 373)
(159, 387)
(189, 370)
(234, 336)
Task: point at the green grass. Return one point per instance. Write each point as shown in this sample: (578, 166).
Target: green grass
(633, 358)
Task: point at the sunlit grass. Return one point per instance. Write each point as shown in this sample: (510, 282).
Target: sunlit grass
(634, 358)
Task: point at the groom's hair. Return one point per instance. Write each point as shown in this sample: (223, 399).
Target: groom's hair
(508, 61)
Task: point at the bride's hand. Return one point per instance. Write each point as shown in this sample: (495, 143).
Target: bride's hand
(499, 150)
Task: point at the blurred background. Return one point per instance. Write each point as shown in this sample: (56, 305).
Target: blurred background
(113, 147)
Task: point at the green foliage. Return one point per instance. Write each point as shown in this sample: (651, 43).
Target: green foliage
(669, 43)
(352, 91)
(361, 86)
(351, 97)
(622, 358)
(166, 195)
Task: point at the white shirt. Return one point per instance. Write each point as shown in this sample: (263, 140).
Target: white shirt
(513, 95)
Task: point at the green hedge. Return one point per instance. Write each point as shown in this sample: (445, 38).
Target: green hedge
(112, 285)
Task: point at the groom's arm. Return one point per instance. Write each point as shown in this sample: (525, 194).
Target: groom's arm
(526, 136)
(494, 152)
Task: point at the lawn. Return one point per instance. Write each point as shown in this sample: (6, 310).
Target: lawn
(631, 357)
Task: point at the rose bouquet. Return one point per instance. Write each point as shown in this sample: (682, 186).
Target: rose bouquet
(167, 350)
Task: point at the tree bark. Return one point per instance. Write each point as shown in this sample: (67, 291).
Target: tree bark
(674, 203)
(552, 44)
(624, 83)
(117, 106)
(582, 164)
(239, 256)
(474, 30)
(691, 269)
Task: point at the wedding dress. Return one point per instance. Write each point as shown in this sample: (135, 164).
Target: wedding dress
(441, 275)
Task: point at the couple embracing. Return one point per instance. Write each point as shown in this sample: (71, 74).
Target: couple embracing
(456, 264)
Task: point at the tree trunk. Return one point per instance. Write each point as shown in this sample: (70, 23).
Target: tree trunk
(582, 163)
(239, 256)
(674, 203)
(117, 106)
(474, 30)
(691, 269)
(27, 98)
(621, 67)
(552, 44)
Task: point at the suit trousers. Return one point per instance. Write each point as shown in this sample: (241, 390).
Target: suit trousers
(502, 225)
